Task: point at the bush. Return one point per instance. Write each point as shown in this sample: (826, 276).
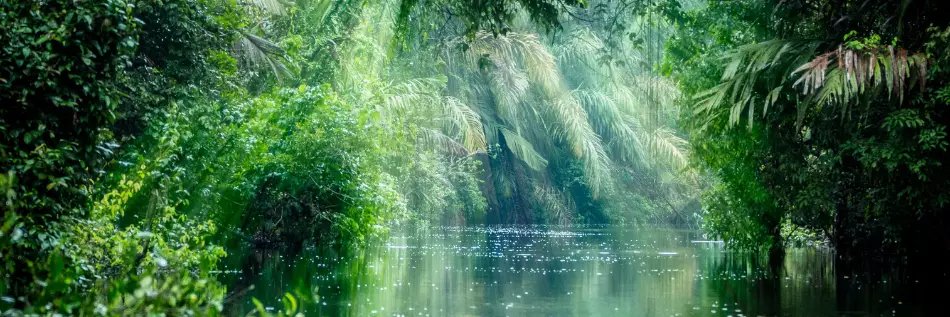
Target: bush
(57, 71)
(73, 75)
(320, 177)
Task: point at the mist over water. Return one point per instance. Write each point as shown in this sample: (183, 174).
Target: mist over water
(568, 271)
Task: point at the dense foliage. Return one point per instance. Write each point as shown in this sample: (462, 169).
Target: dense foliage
(823, 116)
(139, 139)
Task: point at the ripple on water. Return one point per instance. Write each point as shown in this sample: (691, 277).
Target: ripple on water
(562, 271)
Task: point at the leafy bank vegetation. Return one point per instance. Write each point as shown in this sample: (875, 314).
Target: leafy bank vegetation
(142, 138)
(823, 117)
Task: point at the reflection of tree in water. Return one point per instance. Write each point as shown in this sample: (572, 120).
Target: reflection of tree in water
(267, 274)
(242, 275)
(454, 272)
(514, 264)
(648, 283)
(878, 286)
(739, 278)
(807, 282)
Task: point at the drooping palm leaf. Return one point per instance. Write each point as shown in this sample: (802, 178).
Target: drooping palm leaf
(860, 70)
(523, 150)
(255, 51)
(837, 78)
(437, 140)
(417, 94)
(276, 7)
(420, 98)
(467, 122)
(509, 86)
(557, 206)
(669, 148)
(611, 123)
(526, 49)
(575, 129)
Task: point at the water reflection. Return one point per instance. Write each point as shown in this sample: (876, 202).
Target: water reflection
(567, 272)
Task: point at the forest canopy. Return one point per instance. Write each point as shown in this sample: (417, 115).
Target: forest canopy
(142, 139)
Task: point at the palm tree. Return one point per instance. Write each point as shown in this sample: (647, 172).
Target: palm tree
(601, 120)
(837, 78)
(527, 110)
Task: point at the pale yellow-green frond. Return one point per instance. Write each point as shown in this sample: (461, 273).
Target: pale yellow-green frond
(418, 94)
(467, 123)
(581, 46)
(576, 131)
(669, 148)
(435, 139)
(276, 7)
(612, 125)
(558, 207)
(526, 49)
(509, 85)
(523, 150)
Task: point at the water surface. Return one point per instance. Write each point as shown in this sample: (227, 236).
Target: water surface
(557, 271)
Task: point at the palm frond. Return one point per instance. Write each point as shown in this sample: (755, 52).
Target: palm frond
(502, 180)
(255, 51)
(575, 129)
(441, 142)
(669, 148)
(538, 63)
(581, 54)
(467, 122)
(559, 207)
(610, 122)
(276, 7)
(857, 71)
(522, 149)
(652, 100)
(736, 89)
(420, 99)
(656, 90)
(509, 86)
(836, 78)
(417, 94)
(582, 45)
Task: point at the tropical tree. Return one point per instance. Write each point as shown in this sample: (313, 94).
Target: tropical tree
(843, 135)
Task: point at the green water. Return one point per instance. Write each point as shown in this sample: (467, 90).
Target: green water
(545, 271)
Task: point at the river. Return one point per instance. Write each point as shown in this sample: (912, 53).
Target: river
(560, 271)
